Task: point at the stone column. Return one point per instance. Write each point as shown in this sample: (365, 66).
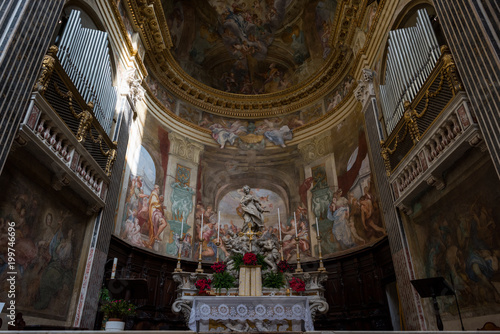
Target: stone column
(401, 258)
(21, 52)
(471, 29)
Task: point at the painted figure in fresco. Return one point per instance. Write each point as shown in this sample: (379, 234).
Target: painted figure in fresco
(338, 213)
(304, 187)
(369, 216)
(132, 232)
(209, 233)
(156, 219)
(252, 211)
(59, 272)
(354, 215)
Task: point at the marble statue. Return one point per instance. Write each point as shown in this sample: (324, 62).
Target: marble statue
(252, 212)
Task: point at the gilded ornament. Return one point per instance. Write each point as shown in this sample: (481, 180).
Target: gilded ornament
(48, 63)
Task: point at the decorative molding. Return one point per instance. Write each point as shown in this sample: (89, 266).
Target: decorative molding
(365, 87)
(185, 148)
(135, 89)
(315, 148)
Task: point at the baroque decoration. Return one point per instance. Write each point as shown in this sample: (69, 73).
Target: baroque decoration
(248, 249)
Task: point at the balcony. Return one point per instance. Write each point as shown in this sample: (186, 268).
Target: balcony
(59, 129)
(435, 131)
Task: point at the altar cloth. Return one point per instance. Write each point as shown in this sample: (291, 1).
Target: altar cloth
(269, 309)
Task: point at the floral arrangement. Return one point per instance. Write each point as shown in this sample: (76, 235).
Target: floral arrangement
(283, 266)
(218, 267)
(297, 285)
(238, 261)
(222, 279)
(203, 284)
(119, 309)
(250, 259)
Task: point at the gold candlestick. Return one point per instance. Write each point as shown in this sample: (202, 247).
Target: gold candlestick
(217, 251)
(200, 269)
(178, 269)
(299, 267)
(281, 250)
(321, 266)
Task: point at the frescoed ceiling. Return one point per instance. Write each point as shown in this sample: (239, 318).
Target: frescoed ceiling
(250, 46)
(251, 59)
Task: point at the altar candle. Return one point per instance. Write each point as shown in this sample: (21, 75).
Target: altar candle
(113, 271)
(279, 223)
(295, 218)
(218, 228)
(182, 228)
(317, 227)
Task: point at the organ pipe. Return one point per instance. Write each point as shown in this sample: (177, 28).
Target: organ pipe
(411, 55)
(84, 55)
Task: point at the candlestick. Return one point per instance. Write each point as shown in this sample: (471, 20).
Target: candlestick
(317, 227)
(299, 267)
(178, 269)
(200, 269)
(113, 271)
(217, 250)
(321, 266)
(295, 219)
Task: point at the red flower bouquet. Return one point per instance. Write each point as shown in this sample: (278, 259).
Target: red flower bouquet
(218, 267)
(250, 259)
(297, 285)
(283, 266)
(203, 284)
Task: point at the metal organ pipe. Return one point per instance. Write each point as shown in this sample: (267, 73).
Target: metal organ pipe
(84, 55)
(412, 53)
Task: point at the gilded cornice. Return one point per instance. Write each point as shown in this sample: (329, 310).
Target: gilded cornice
(214, 101)
(124, 33)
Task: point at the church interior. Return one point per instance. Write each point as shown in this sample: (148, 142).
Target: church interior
(141, 139)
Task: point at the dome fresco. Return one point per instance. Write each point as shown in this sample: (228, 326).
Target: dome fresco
(250, 46)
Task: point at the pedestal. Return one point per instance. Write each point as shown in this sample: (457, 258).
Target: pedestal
(250, 281)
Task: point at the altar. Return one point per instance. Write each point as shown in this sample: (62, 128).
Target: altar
(250, 313)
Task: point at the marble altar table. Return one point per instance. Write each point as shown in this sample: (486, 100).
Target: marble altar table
(250, 313)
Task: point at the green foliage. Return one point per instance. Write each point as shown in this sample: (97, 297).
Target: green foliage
(223, 280)
(104, 296)
(118, 309)
(274, 280)
(237, 260)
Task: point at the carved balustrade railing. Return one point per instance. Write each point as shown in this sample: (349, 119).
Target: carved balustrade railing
(438, 91)
(61, 94)
(437, 128)
(60, 130)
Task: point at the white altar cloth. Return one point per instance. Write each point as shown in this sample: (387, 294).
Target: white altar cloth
(270, 309)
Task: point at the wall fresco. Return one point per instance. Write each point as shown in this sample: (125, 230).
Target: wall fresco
(49, 234)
